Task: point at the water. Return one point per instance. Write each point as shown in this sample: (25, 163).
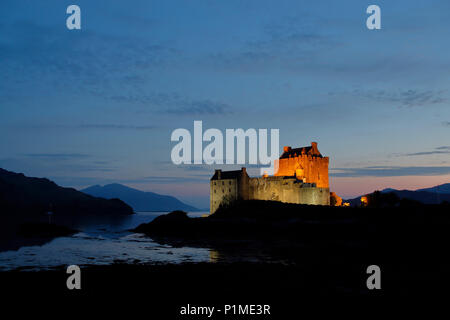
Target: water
(103, 243)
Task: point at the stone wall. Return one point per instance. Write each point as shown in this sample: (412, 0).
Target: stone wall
(223, 192)
(287, 189)
(284, 189)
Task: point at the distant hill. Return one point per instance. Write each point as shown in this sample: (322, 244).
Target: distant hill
(22, 196)
(433, 195)
(139, 200)
(443, 188)
(422, 196)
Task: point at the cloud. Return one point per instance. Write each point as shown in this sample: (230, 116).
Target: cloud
(85, 61)
(95, 126)
(426, 153)
(176, 104)
(291, 35)
(389, 171)
(169, 179)
(446, 123)
(57, 156)
(83, 181)
(438, 150)
(115, 126)
(53, 164)
(201, 107)
(96, 64)
(406, 98)
(288, 42)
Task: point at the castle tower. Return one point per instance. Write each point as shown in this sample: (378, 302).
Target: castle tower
(227, 187)
(306, 164)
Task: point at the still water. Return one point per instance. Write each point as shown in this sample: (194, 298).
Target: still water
(103, 243)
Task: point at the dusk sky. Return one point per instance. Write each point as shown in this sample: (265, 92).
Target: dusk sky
(98, 105)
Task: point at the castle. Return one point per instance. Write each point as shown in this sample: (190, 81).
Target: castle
(301, 176)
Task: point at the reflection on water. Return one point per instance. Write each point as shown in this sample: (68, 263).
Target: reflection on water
(101, 242)
(214, 255)
(107, 240)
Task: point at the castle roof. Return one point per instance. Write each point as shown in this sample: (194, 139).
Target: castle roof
(292, 153)
(235, 174)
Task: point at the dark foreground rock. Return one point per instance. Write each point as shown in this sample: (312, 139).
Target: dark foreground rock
(296, 233)
(275, 220)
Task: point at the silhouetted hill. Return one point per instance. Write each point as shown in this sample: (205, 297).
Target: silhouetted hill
(433, 195)
(443, 188)
(388, 190)
(422, 196)
(139, 200)
(25, 197)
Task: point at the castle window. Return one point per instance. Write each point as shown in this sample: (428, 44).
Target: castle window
(229, 190)
(223, 183)
(223, 190)
(214, 191)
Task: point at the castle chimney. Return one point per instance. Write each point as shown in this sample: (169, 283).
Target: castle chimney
(244, 170)
(315, 151)
(219, 174)
(287, 149)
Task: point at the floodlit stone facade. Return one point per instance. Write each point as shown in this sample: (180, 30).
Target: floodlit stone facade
(306, 164)
(302, 178)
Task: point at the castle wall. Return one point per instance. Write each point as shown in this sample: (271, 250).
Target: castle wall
(289, 190)
(301, 177)
(313, 169)
(223, 192)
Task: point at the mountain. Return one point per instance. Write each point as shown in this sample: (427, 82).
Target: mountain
(433, 195)
(422, 196)
(443, 188)
(388, 190)
(139, 200)
(22, 196)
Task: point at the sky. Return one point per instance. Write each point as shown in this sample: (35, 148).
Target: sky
(98, 105)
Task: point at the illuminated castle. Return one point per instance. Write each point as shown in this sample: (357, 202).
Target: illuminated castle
(301, 176)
